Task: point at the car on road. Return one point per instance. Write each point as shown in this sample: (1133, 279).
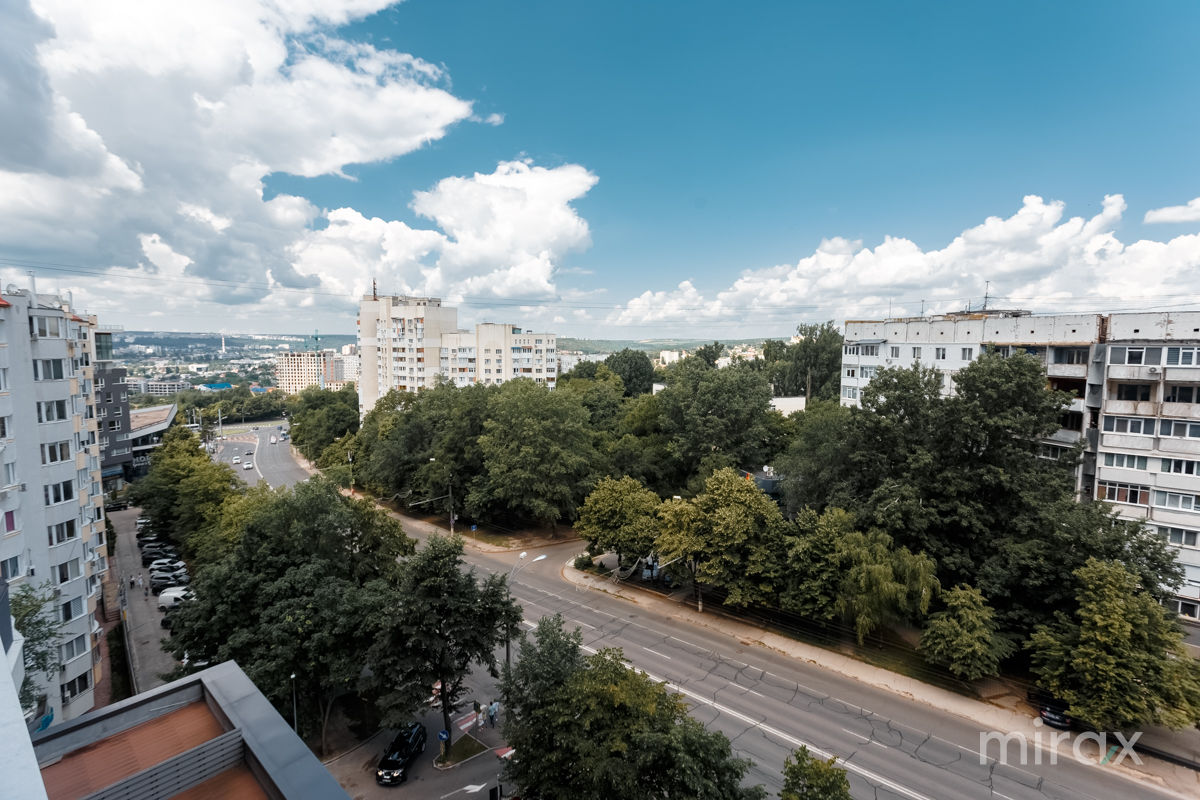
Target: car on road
(249, 452)
(247, 465)
(408, 744)
(237, 459)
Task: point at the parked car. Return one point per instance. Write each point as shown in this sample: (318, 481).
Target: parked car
(167, 564)
(408, 744)
(168, 574)
(171, 597)
(116, 505)
(165, 582)
(1052, 710)
(142, 522)
(166, 620)
(150, 556)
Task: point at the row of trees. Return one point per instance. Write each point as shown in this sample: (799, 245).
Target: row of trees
(589, 727)
(922, 503)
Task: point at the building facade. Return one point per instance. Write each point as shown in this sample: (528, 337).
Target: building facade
(166, 388)
(409, 343)
(325, 369)
(51, 501)
(112, 415)
(1136, 384)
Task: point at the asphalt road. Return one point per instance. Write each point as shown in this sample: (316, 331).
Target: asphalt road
(768, 704)
(273, 463)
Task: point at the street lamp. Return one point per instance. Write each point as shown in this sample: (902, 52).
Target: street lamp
(516, 567)
(450, 494)
(295, 724)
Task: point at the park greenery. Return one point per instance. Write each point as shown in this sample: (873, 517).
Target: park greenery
(32, 609)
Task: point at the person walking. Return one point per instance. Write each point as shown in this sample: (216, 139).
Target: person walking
(492, 711)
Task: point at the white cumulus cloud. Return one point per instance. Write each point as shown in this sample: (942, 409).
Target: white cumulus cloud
(1188, 213)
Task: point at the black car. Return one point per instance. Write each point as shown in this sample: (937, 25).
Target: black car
(408, 744)
(158, 584)
(150, 556)
(1052, 710)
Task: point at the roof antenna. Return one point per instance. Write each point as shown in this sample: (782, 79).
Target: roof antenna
(374, 293)
(987, 287)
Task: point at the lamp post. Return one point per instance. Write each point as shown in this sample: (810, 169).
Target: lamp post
(450, 494)
(516, 567)
(350, 458)
(295, 723)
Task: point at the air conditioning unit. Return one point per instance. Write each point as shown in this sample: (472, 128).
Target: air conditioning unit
(1154, 370)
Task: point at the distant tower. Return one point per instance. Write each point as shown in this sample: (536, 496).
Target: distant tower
(222, 344)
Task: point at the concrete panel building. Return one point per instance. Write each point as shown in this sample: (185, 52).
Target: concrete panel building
(409, 343)
(51, 503)
(1135, 378)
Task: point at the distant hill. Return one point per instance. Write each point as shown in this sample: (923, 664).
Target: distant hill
(647, 345)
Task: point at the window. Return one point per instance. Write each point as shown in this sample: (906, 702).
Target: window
(1070, 355)
(55, 452)
(1180, 466)
(10, 521)
(1181, 394)
(75, 648)
(870, 349)
(10, 568)
(916, 352)
(1179, 536)
(850, 350)
(1125, 461)
(10, 474)
(850, 392)
(1184, 608)
(1176, 500)
(6, 427)
(48, 369)
(1135, 355)
(1123, 493)
(1183, 356)
(968, 353)
(939, 354)
(1141, 426)
(45, 326)
(59, 492)
(52, 411)
(867, 373)
(850, 372)
(1180, 429)
(114, 425)
(894, 352)
(1133, 391)
(1052, 452)
(66, 571)
(76, 686)
(71, 609)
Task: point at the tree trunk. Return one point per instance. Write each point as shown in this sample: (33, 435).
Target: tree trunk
(325, 723)
(446, 726)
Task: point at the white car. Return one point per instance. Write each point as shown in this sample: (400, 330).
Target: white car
(247, 465)
(237, 459)
(166, 565)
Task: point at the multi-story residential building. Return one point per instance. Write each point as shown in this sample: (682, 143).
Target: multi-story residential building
(409, 343)
(1136, 384)
(112, 414)
(325, 369)
(166, 388)
(50, 499)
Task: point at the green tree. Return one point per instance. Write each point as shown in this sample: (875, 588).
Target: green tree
(32, 609)
(709, 353)
(733, 534)
(808, 778)
(964, 636)
(294, 594)
(811, 367)
(320, 417)
(440, 622)
(538, 452)
(1119, 659)
(620, 515)
(635, 370)
(592, 728)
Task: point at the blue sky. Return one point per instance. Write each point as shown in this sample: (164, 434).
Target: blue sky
(674, 169)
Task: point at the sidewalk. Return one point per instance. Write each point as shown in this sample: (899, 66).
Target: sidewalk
(143, 631)
(1153, 772)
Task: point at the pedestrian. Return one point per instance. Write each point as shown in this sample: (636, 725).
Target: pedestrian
(146, 592)
(140, 582)
(493, 710)
(131, 581)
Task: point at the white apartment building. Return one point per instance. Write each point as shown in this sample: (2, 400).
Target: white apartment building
(166, 388)
(325, 369)
(51, 502)
(409, 343)
(1136, 381)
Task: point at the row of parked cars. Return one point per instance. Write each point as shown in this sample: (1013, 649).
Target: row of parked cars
(167, 569)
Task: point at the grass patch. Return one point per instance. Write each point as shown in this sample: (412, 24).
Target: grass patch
(118, 664)
(465, 747)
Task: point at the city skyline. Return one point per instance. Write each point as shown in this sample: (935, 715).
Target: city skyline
(614, 172)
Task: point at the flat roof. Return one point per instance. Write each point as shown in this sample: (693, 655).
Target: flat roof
(141, 418)
(114, 758)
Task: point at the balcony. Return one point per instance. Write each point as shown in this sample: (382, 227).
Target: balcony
(1067, 370)
(1181, 410)
(1133, 372)
(1124, 441)
(1131, 408)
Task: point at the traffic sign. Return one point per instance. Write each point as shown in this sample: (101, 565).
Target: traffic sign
(443, 735)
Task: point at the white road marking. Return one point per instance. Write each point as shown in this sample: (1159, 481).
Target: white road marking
(660, 655)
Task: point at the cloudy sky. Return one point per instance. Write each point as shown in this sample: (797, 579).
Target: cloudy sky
(615, 169)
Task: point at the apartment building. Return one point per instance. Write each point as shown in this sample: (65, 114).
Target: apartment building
(409, 343)
(1136, 383)
(166, 388)
(112, 414)
(51, 500)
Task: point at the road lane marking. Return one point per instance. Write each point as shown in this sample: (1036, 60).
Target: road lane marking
(660, 655)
